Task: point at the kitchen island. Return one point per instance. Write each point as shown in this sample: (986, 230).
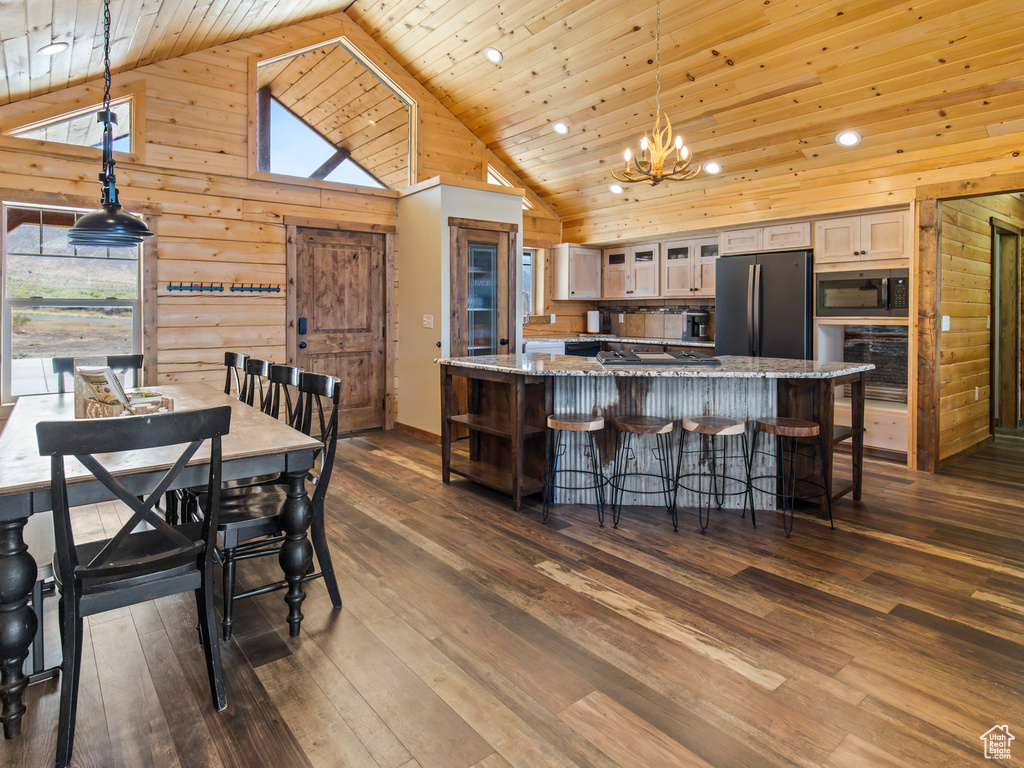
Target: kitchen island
(505, 400)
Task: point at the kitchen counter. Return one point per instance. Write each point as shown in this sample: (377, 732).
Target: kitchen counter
(502, 403)
(624, 340)
(732, 366)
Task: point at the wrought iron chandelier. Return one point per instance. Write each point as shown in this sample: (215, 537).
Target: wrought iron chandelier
(649, 166)
(110, 225)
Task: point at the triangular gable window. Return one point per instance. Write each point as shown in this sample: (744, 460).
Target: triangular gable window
(81, 128)
(296, 149)
(495, 178)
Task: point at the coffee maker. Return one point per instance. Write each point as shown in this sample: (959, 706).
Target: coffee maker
(695, 325)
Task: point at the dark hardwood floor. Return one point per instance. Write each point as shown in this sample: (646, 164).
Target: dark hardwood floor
(474, 636)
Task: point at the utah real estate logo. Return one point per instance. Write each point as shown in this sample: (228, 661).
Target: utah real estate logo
(997, 742)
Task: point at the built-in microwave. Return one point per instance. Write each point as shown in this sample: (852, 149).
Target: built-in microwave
(868, 293)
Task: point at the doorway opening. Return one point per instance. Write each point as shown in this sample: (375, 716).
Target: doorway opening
(1007, 343)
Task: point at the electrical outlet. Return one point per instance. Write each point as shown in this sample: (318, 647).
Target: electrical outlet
(988, 321)
(428, 321)
(622, 317)
(977, 393)
(552, 317)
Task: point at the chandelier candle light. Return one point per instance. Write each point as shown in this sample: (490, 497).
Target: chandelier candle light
(110, 225)
(650, 168)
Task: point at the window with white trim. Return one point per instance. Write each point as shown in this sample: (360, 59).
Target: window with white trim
(60, 300)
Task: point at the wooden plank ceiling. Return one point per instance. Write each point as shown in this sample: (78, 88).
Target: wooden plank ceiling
(761, 86)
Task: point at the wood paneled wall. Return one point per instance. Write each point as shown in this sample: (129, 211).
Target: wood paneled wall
(215, 223)
(965, 363)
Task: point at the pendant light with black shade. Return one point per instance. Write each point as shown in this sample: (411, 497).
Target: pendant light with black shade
(110, 225)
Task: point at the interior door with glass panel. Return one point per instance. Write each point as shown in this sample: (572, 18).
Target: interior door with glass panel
(482, 316)
(61, 300)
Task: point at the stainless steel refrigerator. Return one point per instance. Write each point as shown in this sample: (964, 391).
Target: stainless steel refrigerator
(763, 305)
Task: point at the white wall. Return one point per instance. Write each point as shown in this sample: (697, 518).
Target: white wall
(424, 284)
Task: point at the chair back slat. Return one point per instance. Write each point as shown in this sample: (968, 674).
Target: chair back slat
(256, 374)
(234, 363)
(283, 379)
(65, 366)
(87, 438)
(314, 388)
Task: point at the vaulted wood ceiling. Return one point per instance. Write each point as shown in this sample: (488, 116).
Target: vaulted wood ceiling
(762, 86)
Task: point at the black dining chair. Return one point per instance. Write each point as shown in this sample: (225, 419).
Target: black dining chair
(123, 364)
(234, 363)
(250, 524)
(134, 565)
(254, 383)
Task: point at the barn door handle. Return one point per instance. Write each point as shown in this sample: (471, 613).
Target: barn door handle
(302, 326)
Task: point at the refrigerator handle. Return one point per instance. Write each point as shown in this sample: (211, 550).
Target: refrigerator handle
(757, 310)
(750, 310)
(885, 293)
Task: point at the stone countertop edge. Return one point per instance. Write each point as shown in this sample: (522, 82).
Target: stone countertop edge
(623, 340)
(732, 366)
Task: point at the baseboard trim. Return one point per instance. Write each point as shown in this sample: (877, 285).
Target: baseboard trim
(419, 434)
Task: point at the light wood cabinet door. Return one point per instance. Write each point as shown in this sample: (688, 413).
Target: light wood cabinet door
(740, 240)
(837, 240)
(786, 237)
(644, 259)
(883, 235)
(616, 273)
(676, 268)
(584, 273)
(871, 237)
(704, 259)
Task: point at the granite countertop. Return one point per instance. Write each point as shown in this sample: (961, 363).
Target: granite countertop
(733, 366)
(623, 340)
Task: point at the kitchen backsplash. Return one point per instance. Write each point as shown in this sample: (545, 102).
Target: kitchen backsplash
(649, 322)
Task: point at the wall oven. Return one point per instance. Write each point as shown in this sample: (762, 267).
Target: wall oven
(867, 293)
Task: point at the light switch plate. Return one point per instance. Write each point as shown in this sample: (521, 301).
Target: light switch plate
(945, 322)
(552, 317)
(428, 321)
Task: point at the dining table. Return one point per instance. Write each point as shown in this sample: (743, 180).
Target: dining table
(257, 444)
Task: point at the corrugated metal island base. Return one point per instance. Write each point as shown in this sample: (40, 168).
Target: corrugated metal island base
(501, 403)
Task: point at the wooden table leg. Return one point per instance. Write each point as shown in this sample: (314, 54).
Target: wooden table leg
(296, 553)
(17, 621)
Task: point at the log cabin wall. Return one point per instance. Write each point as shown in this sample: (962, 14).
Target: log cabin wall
(965, 363)
(216, 224)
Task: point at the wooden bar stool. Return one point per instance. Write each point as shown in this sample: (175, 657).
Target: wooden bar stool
(713, 433)
(788, 433)
(627, 432)
(582, 424)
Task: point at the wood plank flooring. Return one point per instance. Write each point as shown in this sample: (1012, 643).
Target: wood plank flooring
(475, 637)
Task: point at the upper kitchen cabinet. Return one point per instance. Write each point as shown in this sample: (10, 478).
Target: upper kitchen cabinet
(688, 267)
(774, 237)
(871, 237)
(631, 272)
(576, 272)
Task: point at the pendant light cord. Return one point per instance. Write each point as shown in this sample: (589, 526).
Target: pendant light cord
(106, 54)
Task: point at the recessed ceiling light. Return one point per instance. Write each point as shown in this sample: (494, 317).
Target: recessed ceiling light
(560, 128)
(712, 167)
(616, 188)
(848, 139)
(493, 55)
(53, 49)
